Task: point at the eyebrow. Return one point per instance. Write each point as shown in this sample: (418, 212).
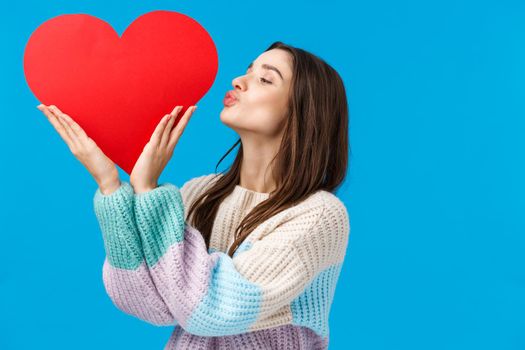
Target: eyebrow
(267, 66)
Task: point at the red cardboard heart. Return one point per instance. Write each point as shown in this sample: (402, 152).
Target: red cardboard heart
(118, 88)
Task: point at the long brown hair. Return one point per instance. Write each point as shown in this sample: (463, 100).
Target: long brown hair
(313, 154)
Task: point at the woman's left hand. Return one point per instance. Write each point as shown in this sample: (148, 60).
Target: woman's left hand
(158, 151)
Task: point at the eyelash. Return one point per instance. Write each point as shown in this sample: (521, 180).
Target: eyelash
(262, 80)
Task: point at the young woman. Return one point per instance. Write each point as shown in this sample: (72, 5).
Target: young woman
(247, 259)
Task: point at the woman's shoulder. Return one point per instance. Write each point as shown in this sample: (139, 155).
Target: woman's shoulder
(199, 181)
(334, 205)
(320, 211)
(324, 204)
(324, 237)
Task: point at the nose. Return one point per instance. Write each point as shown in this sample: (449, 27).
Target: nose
(239, 84)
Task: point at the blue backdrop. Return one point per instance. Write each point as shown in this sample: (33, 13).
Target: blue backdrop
(435, 186)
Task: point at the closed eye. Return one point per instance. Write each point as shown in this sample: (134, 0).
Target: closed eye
(265, 81)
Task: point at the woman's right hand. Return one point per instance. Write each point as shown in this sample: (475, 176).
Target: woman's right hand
(84, 149)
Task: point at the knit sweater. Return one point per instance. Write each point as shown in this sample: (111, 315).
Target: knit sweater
(274, 293)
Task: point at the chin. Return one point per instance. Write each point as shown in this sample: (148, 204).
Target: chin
(229, 121)
(225, 118)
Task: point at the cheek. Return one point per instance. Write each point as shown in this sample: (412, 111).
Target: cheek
(262, 105)
(265, 120)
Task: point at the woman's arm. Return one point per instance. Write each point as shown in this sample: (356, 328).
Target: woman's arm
(125, 275)
(214, 294)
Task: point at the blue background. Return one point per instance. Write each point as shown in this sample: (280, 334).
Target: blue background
(436, 94)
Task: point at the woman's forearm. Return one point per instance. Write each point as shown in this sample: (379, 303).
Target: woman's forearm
(109, 186)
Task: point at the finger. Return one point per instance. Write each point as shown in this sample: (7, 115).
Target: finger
(176, 109)
(166, 133)
(53, 119)
(72, 136)
(81, 137)
(157, 133)
(185, 119)
(74, 125)
(179, 129)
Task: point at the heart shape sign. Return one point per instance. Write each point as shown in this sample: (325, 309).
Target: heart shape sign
(118, 88)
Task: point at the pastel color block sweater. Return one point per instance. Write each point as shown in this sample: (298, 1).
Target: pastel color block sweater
(275, 293)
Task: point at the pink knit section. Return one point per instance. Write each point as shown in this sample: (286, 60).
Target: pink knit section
(133, 292)
(287, 337)
(182, 276)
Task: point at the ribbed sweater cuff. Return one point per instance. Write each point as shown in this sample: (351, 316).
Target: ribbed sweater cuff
(117, 222)
(160, 220)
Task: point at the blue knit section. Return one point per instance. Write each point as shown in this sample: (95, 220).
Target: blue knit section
(160, 220)
(231, 303)
(311, 308)
(116, 218)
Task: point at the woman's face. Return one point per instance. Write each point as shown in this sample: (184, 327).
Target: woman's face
(261, 96)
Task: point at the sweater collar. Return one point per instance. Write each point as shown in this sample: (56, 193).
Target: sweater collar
(247, 198)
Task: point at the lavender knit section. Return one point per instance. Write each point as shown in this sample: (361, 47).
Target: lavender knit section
(133, 292)
(184, 284)
(287, 337)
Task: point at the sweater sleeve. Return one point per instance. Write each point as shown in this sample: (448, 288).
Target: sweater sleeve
(125, 275)
(212, 294)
